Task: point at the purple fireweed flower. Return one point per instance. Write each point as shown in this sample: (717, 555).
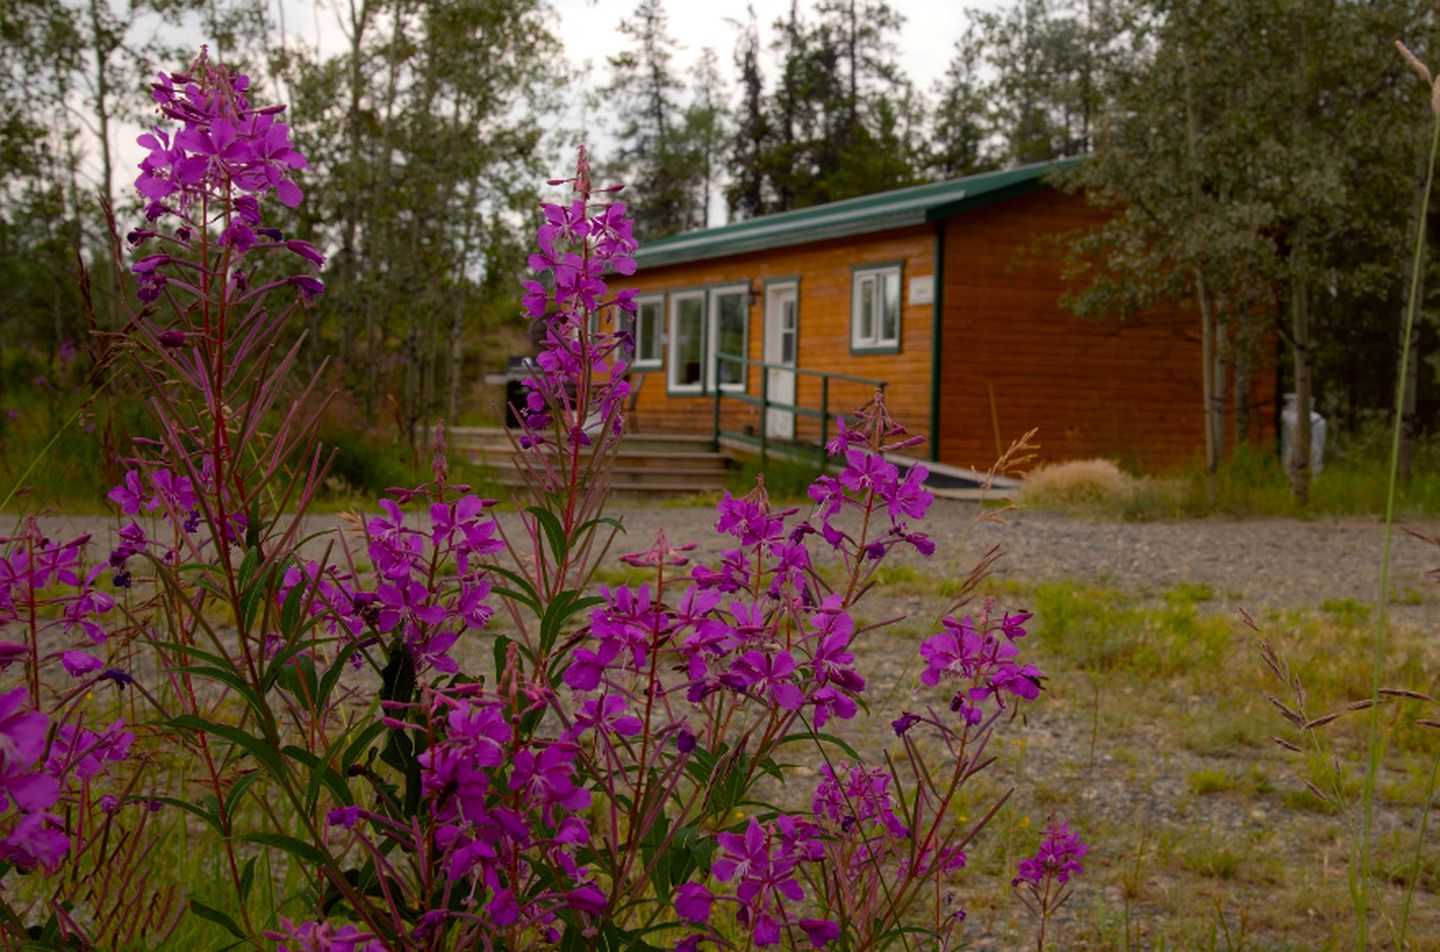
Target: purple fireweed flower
(588, 667)
(830, 702)
(607, 715)
(11, 652)
(22, 733)
(546, 777)
(79, 663)
(863, 797)
(908, 497)
(173, 492)
(762, 863)
(587, 899)
(35, 841)
(129, 495)
(481, 731)
(866, 472)
(983, 659)
(820, 931)
(344, 816)
(1058, 857)
(323, 937)
(85, 753)
(692, 902)
(450, 777)
(904, 722)
(749, 519)
(769, 673)
(471, 607)
(406, 604)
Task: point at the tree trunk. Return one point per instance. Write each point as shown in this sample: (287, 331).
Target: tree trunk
(1299, 462)
(1242, 382)
(1219, 378)
(457, 362)
(1207, 383)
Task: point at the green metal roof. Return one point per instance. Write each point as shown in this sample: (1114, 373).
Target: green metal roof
(853, 216)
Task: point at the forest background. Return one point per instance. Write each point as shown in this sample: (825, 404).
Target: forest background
(1264, 160)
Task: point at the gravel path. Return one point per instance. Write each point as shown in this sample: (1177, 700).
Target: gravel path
(1280, 562)
(1276, 562)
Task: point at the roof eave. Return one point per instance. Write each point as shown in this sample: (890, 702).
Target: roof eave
(663, 257)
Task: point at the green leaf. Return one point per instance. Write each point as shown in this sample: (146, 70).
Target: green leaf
(290, 610)
(361, 742)
(565, 606)
(526, 595)
(297, 848)
(252, 595)
(320, 773)
(256, 747)
(277, 664)
(247, 878)
(823, 737)
(216, 916)
(237, 791)
(554, 531)
(331, 678)
(209, 816)
(397, 679)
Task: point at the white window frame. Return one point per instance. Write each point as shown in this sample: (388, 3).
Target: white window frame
(651, 363)
(876, 341)
(673, 334)
(712, 337)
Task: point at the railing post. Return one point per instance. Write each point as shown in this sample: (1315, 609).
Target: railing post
(764, 415)
(824, 414)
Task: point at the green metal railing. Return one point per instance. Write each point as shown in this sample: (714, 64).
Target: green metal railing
(765, 404)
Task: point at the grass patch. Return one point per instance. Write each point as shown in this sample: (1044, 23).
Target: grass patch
(786, 479)
(1249, 483)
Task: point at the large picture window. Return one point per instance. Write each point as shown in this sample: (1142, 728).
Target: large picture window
(708, 340)
(875, 309)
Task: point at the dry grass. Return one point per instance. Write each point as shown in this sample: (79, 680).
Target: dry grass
(1098, 487)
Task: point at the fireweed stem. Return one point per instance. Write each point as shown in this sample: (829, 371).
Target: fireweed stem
(1373, 747)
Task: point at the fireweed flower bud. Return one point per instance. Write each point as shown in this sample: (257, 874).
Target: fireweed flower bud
(172, 339)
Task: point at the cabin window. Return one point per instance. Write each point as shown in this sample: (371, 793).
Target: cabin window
(708, 339)
(729, 317)
(875, 309)
(649, 325)
(687, 342)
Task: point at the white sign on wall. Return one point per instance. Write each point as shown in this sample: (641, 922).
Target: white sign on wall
(922, 289)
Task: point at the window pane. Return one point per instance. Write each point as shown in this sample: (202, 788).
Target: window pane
(647, 332)
(730, 336)
(867, 310)
(890, 330)
(689, 327)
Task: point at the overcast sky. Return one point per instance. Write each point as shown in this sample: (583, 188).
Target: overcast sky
(589, 31)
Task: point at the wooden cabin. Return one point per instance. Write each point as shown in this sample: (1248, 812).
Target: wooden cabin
(945, 295)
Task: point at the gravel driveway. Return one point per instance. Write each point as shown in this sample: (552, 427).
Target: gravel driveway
(1278, 562)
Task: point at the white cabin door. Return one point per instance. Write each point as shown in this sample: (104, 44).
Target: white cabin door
(782, 334)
